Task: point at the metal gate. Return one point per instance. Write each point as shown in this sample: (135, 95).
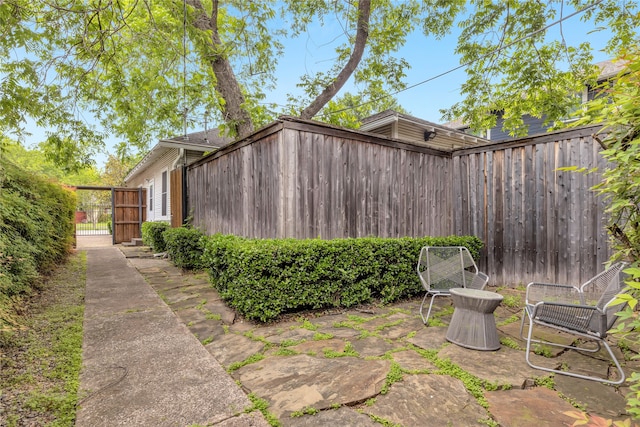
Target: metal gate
(93, 211)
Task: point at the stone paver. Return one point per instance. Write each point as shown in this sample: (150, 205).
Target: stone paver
(230, 348)
(295, 383)
(595, 397)
(537, 407)
(428, 400)
(502, 367)
(429, 338)
(343, 416)
(371, 346)
(298, 373)
(409, 360)
(319, 347)
(290, 336)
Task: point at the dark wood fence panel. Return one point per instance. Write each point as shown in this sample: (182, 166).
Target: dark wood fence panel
(538, 222)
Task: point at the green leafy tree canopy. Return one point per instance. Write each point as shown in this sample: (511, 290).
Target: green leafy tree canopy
(619, 110)
(146, 69)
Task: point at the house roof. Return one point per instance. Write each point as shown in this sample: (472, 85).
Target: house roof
(446, 138)
(209, 140)
(610, 69)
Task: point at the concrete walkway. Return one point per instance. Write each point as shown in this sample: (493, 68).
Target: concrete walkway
(141, 365)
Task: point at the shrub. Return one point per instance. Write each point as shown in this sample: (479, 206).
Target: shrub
(184, 247)
(265, 278)
(152, 235)
(36, 231)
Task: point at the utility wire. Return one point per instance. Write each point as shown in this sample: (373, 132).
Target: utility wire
(466, 64)
(184, 65)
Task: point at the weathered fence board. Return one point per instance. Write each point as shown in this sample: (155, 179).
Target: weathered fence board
(311, 181)
(305, 180)
(542, 223)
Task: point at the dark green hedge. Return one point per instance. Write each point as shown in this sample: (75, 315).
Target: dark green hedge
(36, 229)
(152, 235)
(265, 278)
(184, 247)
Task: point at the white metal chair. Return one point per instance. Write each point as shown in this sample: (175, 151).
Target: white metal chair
(586, 311)
(442, 268)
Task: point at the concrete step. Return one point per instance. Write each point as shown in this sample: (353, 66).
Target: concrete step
(136, 241)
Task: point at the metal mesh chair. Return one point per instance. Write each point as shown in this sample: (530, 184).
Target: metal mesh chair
(442, 268)
(586, 311)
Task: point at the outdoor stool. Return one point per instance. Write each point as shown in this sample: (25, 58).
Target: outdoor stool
(472, 324)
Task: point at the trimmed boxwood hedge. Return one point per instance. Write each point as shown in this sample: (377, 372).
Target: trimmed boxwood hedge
(152, 235)
(184, 247)
(265, 278)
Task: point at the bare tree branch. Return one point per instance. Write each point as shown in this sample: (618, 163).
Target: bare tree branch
(227, 84)
(362, 33)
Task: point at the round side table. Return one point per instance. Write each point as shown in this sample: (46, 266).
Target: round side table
(472, 324)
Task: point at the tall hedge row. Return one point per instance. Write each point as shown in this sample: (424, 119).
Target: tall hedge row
(265, 278)
(36, 230)
(184, 247)
(152, 235)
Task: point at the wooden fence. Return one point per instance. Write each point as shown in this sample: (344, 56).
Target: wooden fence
(300, 179)
(538, 222)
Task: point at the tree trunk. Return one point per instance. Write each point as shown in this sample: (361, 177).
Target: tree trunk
(237, 118)
(362, 33)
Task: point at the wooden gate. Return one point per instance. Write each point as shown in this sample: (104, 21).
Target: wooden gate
(129, 212)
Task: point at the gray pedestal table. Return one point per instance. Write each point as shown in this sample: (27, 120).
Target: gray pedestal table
(473, 325)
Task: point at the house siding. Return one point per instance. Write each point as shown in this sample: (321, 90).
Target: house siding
(193, 156)
(534, 124)
(153, 174)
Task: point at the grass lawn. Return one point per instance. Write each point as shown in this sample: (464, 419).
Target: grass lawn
(92, 226)
(40, 363)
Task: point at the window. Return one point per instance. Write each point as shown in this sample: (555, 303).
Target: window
(164, 193)
(150, 197)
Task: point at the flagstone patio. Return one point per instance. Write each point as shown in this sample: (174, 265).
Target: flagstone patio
(382, 365)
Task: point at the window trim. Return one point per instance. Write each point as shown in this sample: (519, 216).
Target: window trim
(151, 196)
(164, 194)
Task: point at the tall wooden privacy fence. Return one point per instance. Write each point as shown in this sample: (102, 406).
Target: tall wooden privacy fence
(537, 221)
(302, 179)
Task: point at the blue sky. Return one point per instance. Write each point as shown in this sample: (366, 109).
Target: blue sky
(428, 57)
